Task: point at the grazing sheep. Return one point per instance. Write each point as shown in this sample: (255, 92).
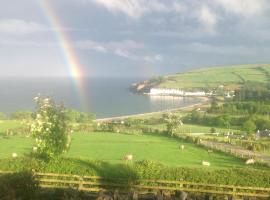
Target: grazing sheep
(34, 149)
(14, 155)
(205, 163)
(128, 157)
(250, 161)
(182, 147)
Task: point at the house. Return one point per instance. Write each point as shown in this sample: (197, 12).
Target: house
(174, 92)
(265, 133)
(199, 93)
(168, 92)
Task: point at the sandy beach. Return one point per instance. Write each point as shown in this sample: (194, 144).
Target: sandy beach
(204, 101)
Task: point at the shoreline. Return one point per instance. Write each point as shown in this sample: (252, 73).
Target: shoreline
(205, 101)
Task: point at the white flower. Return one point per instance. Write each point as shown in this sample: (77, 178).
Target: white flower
(36, 99)
(46, 101)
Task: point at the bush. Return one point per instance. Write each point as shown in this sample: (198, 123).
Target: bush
(50, 128)
(79, 117)
(22, 115)
(249, 126)
(21, 185)
(144, 170)
(173, 123)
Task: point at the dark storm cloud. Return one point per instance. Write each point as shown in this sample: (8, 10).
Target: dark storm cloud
(134, 37)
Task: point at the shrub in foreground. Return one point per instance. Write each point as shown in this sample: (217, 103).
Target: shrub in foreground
(246, 176)
(50, 128)
(20, 185)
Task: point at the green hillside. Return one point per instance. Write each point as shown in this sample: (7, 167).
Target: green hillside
(231, 77)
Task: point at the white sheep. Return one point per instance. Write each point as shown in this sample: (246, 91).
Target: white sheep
(250, 161)
(14, 155)
(35, 149)
(182, 147)
(128, 157)
(205, 163)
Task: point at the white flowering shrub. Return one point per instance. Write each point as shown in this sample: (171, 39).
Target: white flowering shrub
(50, 128)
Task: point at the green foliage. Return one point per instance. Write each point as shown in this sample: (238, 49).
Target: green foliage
(79, 117)
(157, 80)
(50, 128)
(21, 115)
(262, 123)
(222, 120)
(253, 91)
(20, 185)
(147, 169)
(173, 123)
(212, 130)
(242, 108)
(249, 126)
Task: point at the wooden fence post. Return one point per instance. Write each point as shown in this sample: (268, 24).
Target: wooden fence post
(80, 182)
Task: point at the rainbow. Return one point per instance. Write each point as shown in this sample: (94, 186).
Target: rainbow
(71, 60)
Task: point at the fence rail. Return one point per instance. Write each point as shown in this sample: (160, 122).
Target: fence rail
(95, 184)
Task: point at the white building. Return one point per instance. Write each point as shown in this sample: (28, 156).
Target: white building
(195, 94)
(174, 92)
(162, 91)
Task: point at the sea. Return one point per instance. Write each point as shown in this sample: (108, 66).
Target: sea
(105, 97)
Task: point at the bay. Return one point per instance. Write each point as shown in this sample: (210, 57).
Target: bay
(106, 97)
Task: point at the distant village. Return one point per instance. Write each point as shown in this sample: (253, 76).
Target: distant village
(176, 92)
(179, 92)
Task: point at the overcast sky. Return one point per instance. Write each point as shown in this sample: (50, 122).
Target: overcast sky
(133, 37)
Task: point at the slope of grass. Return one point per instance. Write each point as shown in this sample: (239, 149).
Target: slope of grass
(231, 77)
(112, 147)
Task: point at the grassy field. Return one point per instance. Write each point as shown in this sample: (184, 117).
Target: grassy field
(112, 147)
(9, 124)
(193, 129)
(231, 77)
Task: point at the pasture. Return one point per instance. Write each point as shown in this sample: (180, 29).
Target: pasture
(231, 77)
(10, 124)
(112, 147)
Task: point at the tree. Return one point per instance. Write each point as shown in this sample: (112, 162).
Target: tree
(213, 130)
(249, 126)
(79, 117)
(173, 122)
(21, 115)
(50, 128)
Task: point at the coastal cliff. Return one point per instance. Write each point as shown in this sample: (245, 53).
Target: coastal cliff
(145, 86)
